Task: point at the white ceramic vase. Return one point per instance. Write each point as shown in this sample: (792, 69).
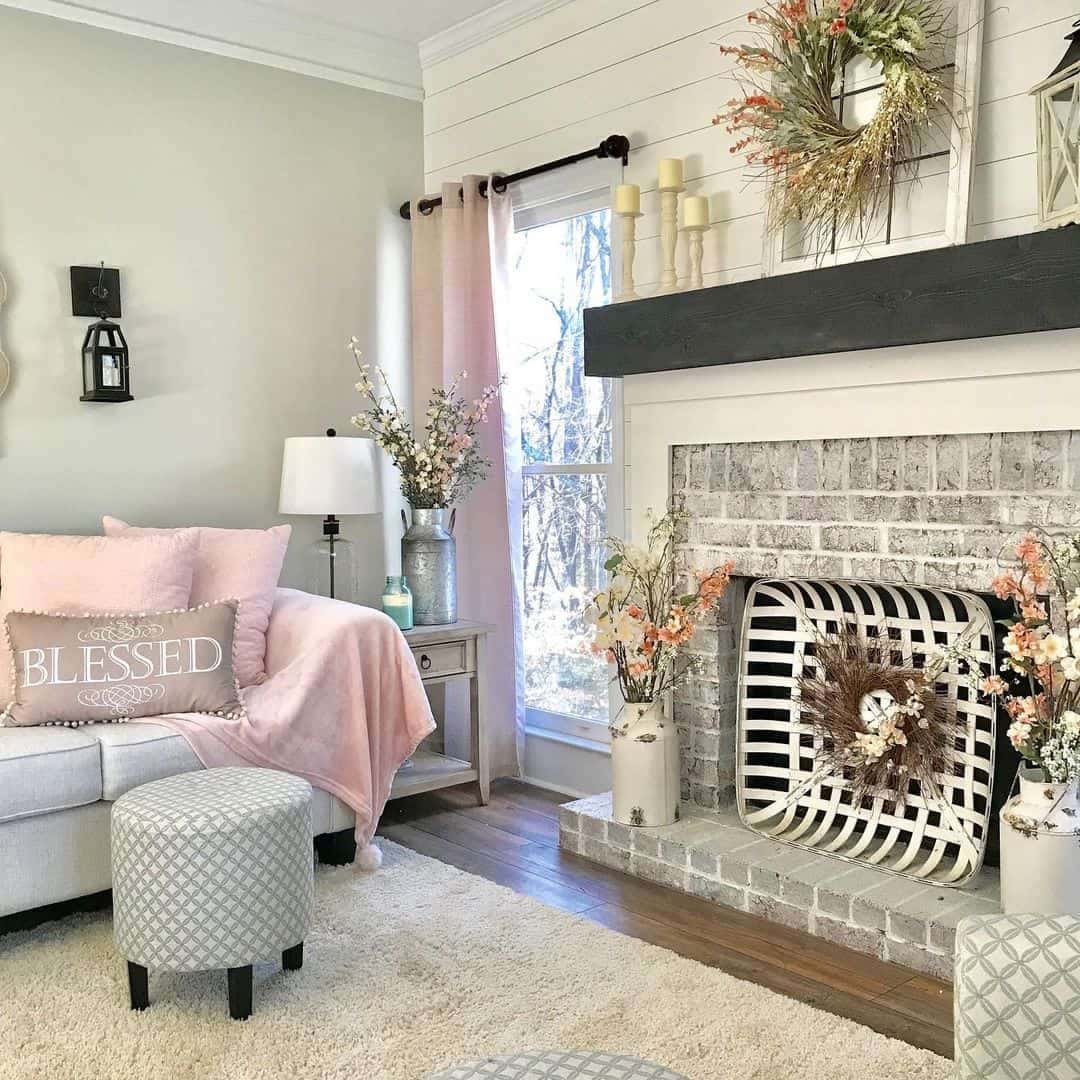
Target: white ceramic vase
(1040, 848)
(644, 766)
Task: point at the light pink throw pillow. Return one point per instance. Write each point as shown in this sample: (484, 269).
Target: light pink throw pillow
(85, 575)
(240, 563)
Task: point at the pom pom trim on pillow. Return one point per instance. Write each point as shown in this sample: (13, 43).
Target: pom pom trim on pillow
(127, 699)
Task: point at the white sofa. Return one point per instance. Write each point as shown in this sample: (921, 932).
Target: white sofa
(57, 787)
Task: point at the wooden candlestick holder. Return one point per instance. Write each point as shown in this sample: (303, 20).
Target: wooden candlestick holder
(697, 247)
(628, 239)
(669, 236)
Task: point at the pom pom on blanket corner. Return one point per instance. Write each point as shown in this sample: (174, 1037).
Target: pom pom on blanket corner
(368, 858)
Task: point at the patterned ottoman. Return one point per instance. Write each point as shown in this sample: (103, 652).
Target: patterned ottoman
(559, 1065)
(212, 870)
(1017, 997)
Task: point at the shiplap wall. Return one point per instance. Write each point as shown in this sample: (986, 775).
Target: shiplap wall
(652, 70)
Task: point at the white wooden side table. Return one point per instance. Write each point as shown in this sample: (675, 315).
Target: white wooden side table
(445, 654)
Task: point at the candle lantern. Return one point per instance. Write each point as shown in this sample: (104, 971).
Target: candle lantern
(105, 363)
(106, 369)
(1057, 111)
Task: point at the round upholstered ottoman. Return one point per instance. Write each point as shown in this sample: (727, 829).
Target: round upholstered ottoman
(559, 1065)
(212, 870)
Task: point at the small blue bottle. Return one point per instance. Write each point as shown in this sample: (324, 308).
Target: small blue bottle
(397, 602)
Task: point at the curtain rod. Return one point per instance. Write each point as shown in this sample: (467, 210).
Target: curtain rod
(614, 146)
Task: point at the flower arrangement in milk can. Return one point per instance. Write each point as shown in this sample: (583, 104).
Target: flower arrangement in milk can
(438, 468)
(1040, 681)
(1039, 687)
(643, 629)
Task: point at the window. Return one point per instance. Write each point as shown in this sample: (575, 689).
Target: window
(571, 447)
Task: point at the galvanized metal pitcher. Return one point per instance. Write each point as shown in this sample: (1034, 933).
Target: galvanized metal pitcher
(429, 565)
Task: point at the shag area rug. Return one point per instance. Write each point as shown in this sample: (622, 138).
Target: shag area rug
(407, 971)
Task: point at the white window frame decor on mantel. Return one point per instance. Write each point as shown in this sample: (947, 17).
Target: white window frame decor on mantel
(963, 110)
(539, 201)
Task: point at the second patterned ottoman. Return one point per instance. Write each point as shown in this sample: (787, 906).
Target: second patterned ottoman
(212, 870)
(559, 1065)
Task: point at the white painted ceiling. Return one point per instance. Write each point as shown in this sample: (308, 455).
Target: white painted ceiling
(409, 20)
(370, 43)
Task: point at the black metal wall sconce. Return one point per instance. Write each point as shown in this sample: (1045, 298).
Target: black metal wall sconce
(106, 368)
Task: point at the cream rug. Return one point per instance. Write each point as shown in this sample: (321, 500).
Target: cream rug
(409, 970)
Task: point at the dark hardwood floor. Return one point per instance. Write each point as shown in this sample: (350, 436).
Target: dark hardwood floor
(515, 841)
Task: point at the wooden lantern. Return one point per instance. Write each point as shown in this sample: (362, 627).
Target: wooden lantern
(1057, 110)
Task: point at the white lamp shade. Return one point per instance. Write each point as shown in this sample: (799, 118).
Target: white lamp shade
(327, 474)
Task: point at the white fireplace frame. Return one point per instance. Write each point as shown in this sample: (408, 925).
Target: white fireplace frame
(1028, 382)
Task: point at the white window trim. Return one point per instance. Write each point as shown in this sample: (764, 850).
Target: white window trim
(543, 200)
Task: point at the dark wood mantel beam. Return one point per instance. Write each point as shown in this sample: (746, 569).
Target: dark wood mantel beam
(1016, 285)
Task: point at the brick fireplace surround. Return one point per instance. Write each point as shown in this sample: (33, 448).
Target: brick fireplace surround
(934, 510)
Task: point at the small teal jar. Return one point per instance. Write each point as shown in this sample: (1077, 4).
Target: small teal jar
(397, 602)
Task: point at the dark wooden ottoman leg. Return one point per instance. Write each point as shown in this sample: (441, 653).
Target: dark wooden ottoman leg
(293, 959)
(139, 986)
(336, 849)
(240, 992)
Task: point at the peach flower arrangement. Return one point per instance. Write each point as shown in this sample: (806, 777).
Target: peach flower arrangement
(1039, 682)
(638, 623)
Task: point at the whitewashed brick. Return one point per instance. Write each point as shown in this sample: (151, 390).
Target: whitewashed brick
(645, 842)
(769, 907)
(570, 841)
(858, 938)
(594, 826)
(660, 873)
(717, 891)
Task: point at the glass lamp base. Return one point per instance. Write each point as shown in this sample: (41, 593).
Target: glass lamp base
(331, 569)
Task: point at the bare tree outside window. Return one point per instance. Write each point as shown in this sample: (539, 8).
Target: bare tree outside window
(567, 428)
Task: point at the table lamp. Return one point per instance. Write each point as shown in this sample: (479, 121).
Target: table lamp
(328, 475)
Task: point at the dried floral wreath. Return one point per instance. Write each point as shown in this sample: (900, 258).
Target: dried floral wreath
(829, 175)
(879, 720)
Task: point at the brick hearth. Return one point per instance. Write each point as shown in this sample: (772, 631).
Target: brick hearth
(713, 856)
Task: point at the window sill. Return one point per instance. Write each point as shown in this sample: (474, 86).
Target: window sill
(567, 740)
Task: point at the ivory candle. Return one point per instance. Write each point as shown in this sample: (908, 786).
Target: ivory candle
(696, 212)
(627, 199)
(671, 173)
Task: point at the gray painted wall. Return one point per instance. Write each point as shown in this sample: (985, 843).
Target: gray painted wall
(252, 214)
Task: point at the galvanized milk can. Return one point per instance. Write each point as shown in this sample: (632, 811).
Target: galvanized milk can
(429, 565)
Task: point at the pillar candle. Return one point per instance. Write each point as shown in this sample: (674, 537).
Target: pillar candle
(627, 199)
(671, 173)
(695, 211)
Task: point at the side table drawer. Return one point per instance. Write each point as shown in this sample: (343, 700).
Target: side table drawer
(446, 658)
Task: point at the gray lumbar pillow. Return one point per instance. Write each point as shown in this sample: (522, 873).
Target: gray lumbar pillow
(82, 669)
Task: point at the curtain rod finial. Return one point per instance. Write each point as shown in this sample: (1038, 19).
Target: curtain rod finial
(616, 146)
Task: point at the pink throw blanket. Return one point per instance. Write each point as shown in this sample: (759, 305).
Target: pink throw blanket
(343, 705)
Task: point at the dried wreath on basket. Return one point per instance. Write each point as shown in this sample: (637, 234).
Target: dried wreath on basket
(827, 174)
(879, 720)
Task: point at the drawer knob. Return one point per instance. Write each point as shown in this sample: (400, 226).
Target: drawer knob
(425, 662)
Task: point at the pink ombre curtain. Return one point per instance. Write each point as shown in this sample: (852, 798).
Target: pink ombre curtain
(460, 255)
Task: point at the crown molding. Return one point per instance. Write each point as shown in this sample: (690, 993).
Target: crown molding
(482, 27)
(258, 32)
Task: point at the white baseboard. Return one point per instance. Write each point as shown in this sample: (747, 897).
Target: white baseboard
(562, 763)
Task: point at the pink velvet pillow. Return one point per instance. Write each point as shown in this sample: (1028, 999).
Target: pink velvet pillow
(240, 563)
(86, 575)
